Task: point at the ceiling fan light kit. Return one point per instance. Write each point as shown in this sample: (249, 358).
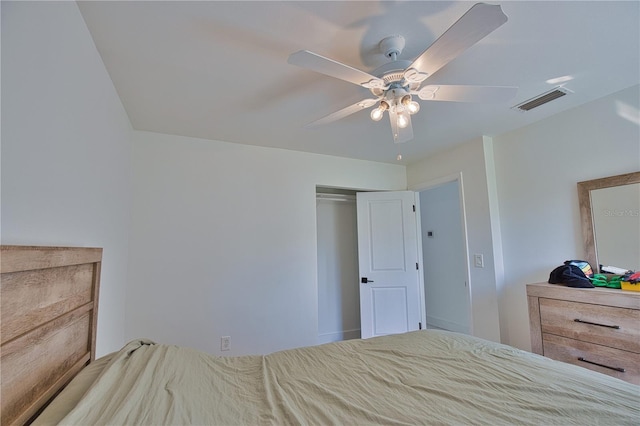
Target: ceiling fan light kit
(394, 83)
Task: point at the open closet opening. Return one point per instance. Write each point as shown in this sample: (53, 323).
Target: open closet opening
(338, 288)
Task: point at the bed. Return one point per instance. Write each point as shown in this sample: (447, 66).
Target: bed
(421, 377)
(48, 314)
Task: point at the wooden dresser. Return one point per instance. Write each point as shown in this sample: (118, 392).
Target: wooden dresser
(595, 328)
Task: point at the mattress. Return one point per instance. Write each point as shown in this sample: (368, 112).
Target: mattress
(72, 393)
(422, 377)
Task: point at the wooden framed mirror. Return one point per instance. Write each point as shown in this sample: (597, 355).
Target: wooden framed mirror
(589, 194)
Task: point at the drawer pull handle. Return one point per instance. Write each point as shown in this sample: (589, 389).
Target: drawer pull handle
(601, 365)
(617, 327)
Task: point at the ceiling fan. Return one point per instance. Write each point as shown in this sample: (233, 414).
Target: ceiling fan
(394, 84)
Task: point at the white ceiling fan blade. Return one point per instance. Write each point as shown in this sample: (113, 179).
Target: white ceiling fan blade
(317, 63)
(461, 93)
(400, 134)
(351, 109)
(473, 26)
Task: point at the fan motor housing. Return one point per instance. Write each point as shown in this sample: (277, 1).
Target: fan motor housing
(392, 46)
(392, 74)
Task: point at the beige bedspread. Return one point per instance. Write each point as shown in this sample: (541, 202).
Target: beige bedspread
(424, 377)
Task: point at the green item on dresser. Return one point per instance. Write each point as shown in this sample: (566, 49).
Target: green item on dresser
(610, 281)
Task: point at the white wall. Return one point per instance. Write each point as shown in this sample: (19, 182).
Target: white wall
(537, 168)
(223, 241)
(65, 147)
(223, 236)
(468, 159)
(522, 204)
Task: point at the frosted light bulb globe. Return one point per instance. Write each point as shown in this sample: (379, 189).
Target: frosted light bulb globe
(376, 114)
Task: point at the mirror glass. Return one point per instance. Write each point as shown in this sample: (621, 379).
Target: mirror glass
(609, 213)
(616, 225)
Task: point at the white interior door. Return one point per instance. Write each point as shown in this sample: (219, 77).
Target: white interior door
(388, 261)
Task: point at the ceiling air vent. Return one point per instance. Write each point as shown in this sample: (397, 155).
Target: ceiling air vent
(539, 100)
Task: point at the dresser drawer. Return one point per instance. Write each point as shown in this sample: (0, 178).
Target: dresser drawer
(586, 354)
(604, 325)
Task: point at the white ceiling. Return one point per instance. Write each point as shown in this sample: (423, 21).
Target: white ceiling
(218, 70)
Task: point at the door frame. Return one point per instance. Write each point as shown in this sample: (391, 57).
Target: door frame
(433, 183)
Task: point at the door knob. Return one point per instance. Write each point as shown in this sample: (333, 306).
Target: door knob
(365, 280)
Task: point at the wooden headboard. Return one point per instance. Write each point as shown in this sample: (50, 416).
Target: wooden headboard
(48, 317)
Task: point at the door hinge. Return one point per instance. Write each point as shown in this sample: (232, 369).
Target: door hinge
(414, 208)
(417, 267)
(419, 326)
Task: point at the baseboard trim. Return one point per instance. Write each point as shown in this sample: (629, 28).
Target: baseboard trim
(339, 335)
(447, 325)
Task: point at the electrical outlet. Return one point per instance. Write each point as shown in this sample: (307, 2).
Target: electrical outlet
(478, 261)
(225, 343)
